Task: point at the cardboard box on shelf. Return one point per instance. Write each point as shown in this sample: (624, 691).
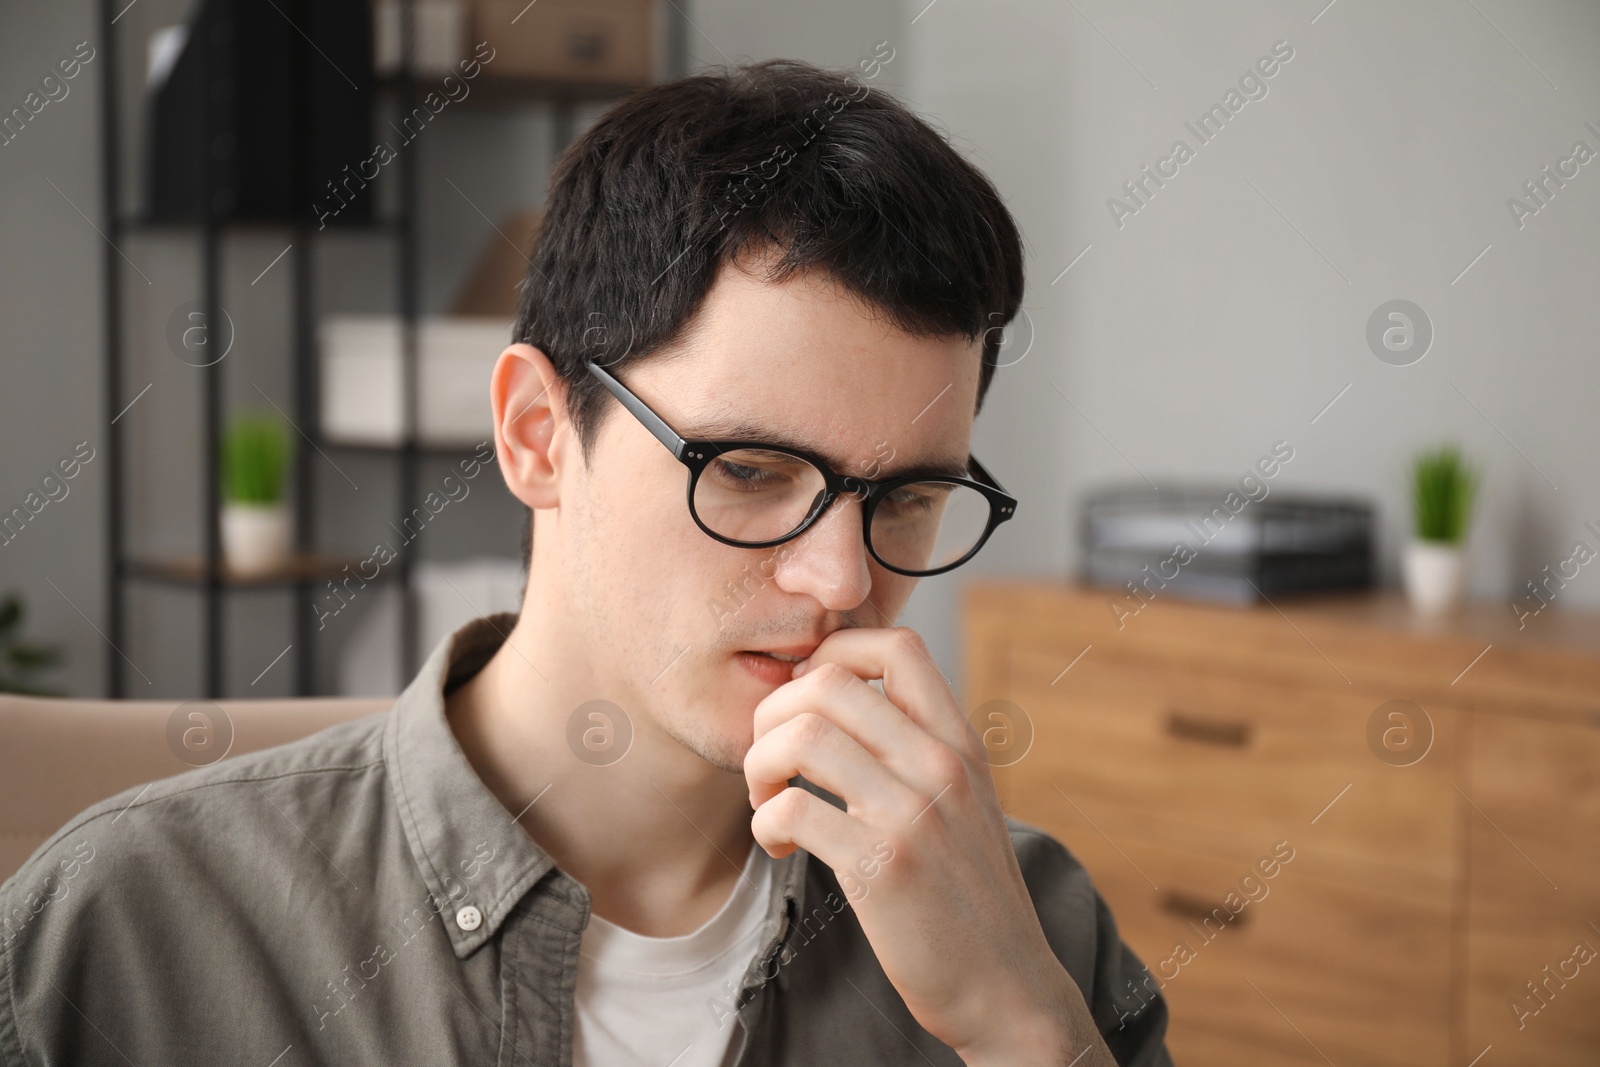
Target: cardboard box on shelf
(605, 42)
(361, 378)
(495, 285)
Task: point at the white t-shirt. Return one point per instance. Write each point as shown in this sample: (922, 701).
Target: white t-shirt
(644, 1000)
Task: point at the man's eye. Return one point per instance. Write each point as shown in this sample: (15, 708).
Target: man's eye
(918, 499)
(745, 477)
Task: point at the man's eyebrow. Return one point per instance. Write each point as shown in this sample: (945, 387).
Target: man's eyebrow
(740, 430)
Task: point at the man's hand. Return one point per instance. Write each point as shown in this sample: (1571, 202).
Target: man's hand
(922, 850)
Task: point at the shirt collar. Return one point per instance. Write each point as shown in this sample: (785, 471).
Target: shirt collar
(469, 848)
(466, 844)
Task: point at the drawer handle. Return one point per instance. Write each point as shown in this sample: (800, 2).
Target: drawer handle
(1194, 909)
(1190, 727)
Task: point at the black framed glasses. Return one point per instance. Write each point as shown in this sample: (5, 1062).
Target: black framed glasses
(751, 494)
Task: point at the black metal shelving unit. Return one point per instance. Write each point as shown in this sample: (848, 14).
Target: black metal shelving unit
(205, 574)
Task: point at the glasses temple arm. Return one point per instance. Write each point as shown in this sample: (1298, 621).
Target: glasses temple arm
(983, 473)
(640, 410)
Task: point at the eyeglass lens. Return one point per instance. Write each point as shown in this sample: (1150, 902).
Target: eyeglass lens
(755, 495)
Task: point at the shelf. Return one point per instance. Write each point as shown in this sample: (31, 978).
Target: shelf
(191, 570)
(302, 577)
(137, 224)
(428, 450)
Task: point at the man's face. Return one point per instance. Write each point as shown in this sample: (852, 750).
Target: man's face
(665, 609)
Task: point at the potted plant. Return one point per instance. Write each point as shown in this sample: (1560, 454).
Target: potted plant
(20, 660)
(1442, 492)
(255, 517)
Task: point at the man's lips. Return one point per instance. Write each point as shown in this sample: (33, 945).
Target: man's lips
(773, 666)
(786, 657)
(769, 668)
(789, 653)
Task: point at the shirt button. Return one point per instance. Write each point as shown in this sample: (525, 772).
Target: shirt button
(469, 918)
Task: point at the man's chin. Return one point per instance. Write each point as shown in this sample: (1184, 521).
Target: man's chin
(723, 749)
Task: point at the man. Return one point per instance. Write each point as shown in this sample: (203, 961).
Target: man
(700, 802)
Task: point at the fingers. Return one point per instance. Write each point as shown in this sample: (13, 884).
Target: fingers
(809, 743)
(890, 756)
(910, 679)
(849, 703)
(798, 818)
(866, 715)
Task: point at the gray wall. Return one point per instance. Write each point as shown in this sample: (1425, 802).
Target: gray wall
(1232, 308)
(1228, 312)
(50, 334)
(1223, 316)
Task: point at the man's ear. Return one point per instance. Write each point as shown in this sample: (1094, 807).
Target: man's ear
(528, 400)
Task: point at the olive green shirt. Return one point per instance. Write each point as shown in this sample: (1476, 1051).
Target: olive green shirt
(359, 896)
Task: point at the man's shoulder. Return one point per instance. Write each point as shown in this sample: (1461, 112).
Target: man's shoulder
(253, 885)
(1124, 998)
(1064, 895)
(196, 818)
(1045, 860)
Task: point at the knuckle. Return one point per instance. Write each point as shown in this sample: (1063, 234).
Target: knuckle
(915, 814)
(829, 677)
(811, 729)
(885, 851)
(791, 805)
(911, 639)
(949, 765)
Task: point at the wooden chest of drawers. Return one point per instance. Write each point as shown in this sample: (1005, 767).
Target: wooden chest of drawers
(1425, 795)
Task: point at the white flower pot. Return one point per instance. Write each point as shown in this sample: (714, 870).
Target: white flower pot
(1435, 575)
(255, 537)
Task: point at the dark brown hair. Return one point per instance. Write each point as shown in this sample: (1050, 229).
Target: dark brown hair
(678, 179)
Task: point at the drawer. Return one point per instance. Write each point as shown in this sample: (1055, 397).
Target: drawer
(1536, 787)
(1241, 757)
(1354, 975)
(1557, 1024)
(1534, 889)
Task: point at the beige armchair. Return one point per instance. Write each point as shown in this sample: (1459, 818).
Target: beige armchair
(57, 756)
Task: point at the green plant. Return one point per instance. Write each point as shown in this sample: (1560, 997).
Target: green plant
(19, 660)
(255, 453)
(1442, 490)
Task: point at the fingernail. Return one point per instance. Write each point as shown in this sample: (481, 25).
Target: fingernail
(800, 668)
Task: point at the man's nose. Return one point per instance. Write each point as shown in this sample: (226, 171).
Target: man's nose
(829, 562)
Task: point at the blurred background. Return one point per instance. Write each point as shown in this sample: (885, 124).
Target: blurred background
(1308, 295)
(1162, 341)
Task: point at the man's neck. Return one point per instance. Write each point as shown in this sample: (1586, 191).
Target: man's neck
(659, 837)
